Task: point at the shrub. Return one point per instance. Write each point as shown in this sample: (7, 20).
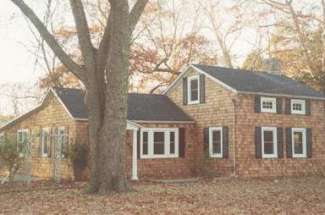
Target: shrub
(11, 158)
(78, 155)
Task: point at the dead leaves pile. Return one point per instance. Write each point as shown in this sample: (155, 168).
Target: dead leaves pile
(304, 195)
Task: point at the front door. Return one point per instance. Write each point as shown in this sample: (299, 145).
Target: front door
(60, 141)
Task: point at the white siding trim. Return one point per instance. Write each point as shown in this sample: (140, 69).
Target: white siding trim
(304, 143)
(211, 154)
(303, 106)
(275, 142)
(166, 131)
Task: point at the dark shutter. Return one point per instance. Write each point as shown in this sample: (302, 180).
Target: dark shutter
(225, 138)
(40, 142)
(257, 104)
(185, 90)
(50, 143)
(279, 105)
(206, 142)
(287, 106)
(308, 107)
(280, 142)
(289, 142)
(138, 143)
(309, 142)
(258, 142)
(202, 88)
(181, 142)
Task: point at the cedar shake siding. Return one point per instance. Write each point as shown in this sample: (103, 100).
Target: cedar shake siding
(51, 114)
(217, 110)
(233, 100)
(211, 121)
(249, 162)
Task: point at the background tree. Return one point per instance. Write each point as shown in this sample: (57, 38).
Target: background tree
(298, 38)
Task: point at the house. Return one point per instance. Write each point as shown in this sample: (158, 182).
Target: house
(210, 120)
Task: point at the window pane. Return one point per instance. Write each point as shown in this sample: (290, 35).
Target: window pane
(297, 107)
(268, 142)
(267, 105)
(172, 143)
(298, 142)
(194, 90)
(145, 143)
(159, 142)
(216, 140)
(45, 142)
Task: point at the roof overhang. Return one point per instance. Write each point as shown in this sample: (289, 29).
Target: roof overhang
(185, 69)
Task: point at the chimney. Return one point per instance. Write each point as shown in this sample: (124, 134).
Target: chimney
(273, 66)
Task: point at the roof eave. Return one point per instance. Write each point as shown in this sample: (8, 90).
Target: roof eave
(281, 95)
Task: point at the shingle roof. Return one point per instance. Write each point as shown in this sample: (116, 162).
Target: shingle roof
(259, 82)
(141, 107)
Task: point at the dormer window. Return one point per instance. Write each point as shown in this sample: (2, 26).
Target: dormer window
(298, 106)
(193, 90)
(268, 105)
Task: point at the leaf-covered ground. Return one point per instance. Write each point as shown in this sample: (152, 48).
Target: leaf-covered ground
(218, 196)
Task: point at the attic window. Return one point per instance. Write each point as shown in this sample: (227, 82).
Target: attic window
(268, 105)
(193, 90)
(298, 106)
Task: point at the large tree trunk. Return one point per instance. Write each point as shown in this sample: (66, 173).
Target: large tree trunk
(106, 86)
(109, 123)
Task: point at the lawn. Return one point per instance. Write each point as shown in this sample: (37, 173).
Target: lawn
(217, 196)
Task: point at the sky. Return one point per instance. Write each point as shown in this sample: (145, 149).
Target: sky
(16, 61)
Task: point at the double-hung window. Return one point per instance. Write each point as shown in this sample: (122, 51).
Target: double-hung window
(159, 143)
(193, 89)
(299, 145)
(269, 142)
(215, 142)
(268, 105)
(298, 106)
(62, 141)
(22, 140)
(45, 145)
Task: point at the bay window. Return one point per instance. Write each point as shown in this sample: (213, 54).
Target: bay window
(159, 143)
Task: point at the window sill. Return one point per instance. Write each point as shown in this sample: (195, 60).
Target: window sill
(270, 157)
(193, 103)
(157, 157)
(216, 156)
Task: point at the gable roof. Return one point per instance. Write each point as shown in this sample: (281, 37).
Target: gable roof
(249, 82)
(141, 107)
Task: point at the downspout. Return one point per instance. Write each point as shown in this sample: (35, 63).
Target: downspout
(234, 101)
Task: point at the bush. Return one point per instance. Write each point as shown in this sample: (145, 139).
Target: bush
(78, 155)
(11, 158)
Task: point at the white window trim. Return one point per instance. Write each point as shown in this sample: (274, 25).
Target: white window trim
(211, 154)
(275, 143)
(304, 143)
(303, 106)
(166, 131)
(189, 92)
(268, 99)
(45, 155)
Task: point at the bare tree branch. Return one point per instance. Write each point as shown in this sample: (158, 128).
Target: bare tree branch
(76, 69)
(85, 44)
(135, 13)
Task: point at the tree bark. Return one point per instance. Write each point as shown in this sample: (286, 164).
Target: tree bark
(105, 75)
